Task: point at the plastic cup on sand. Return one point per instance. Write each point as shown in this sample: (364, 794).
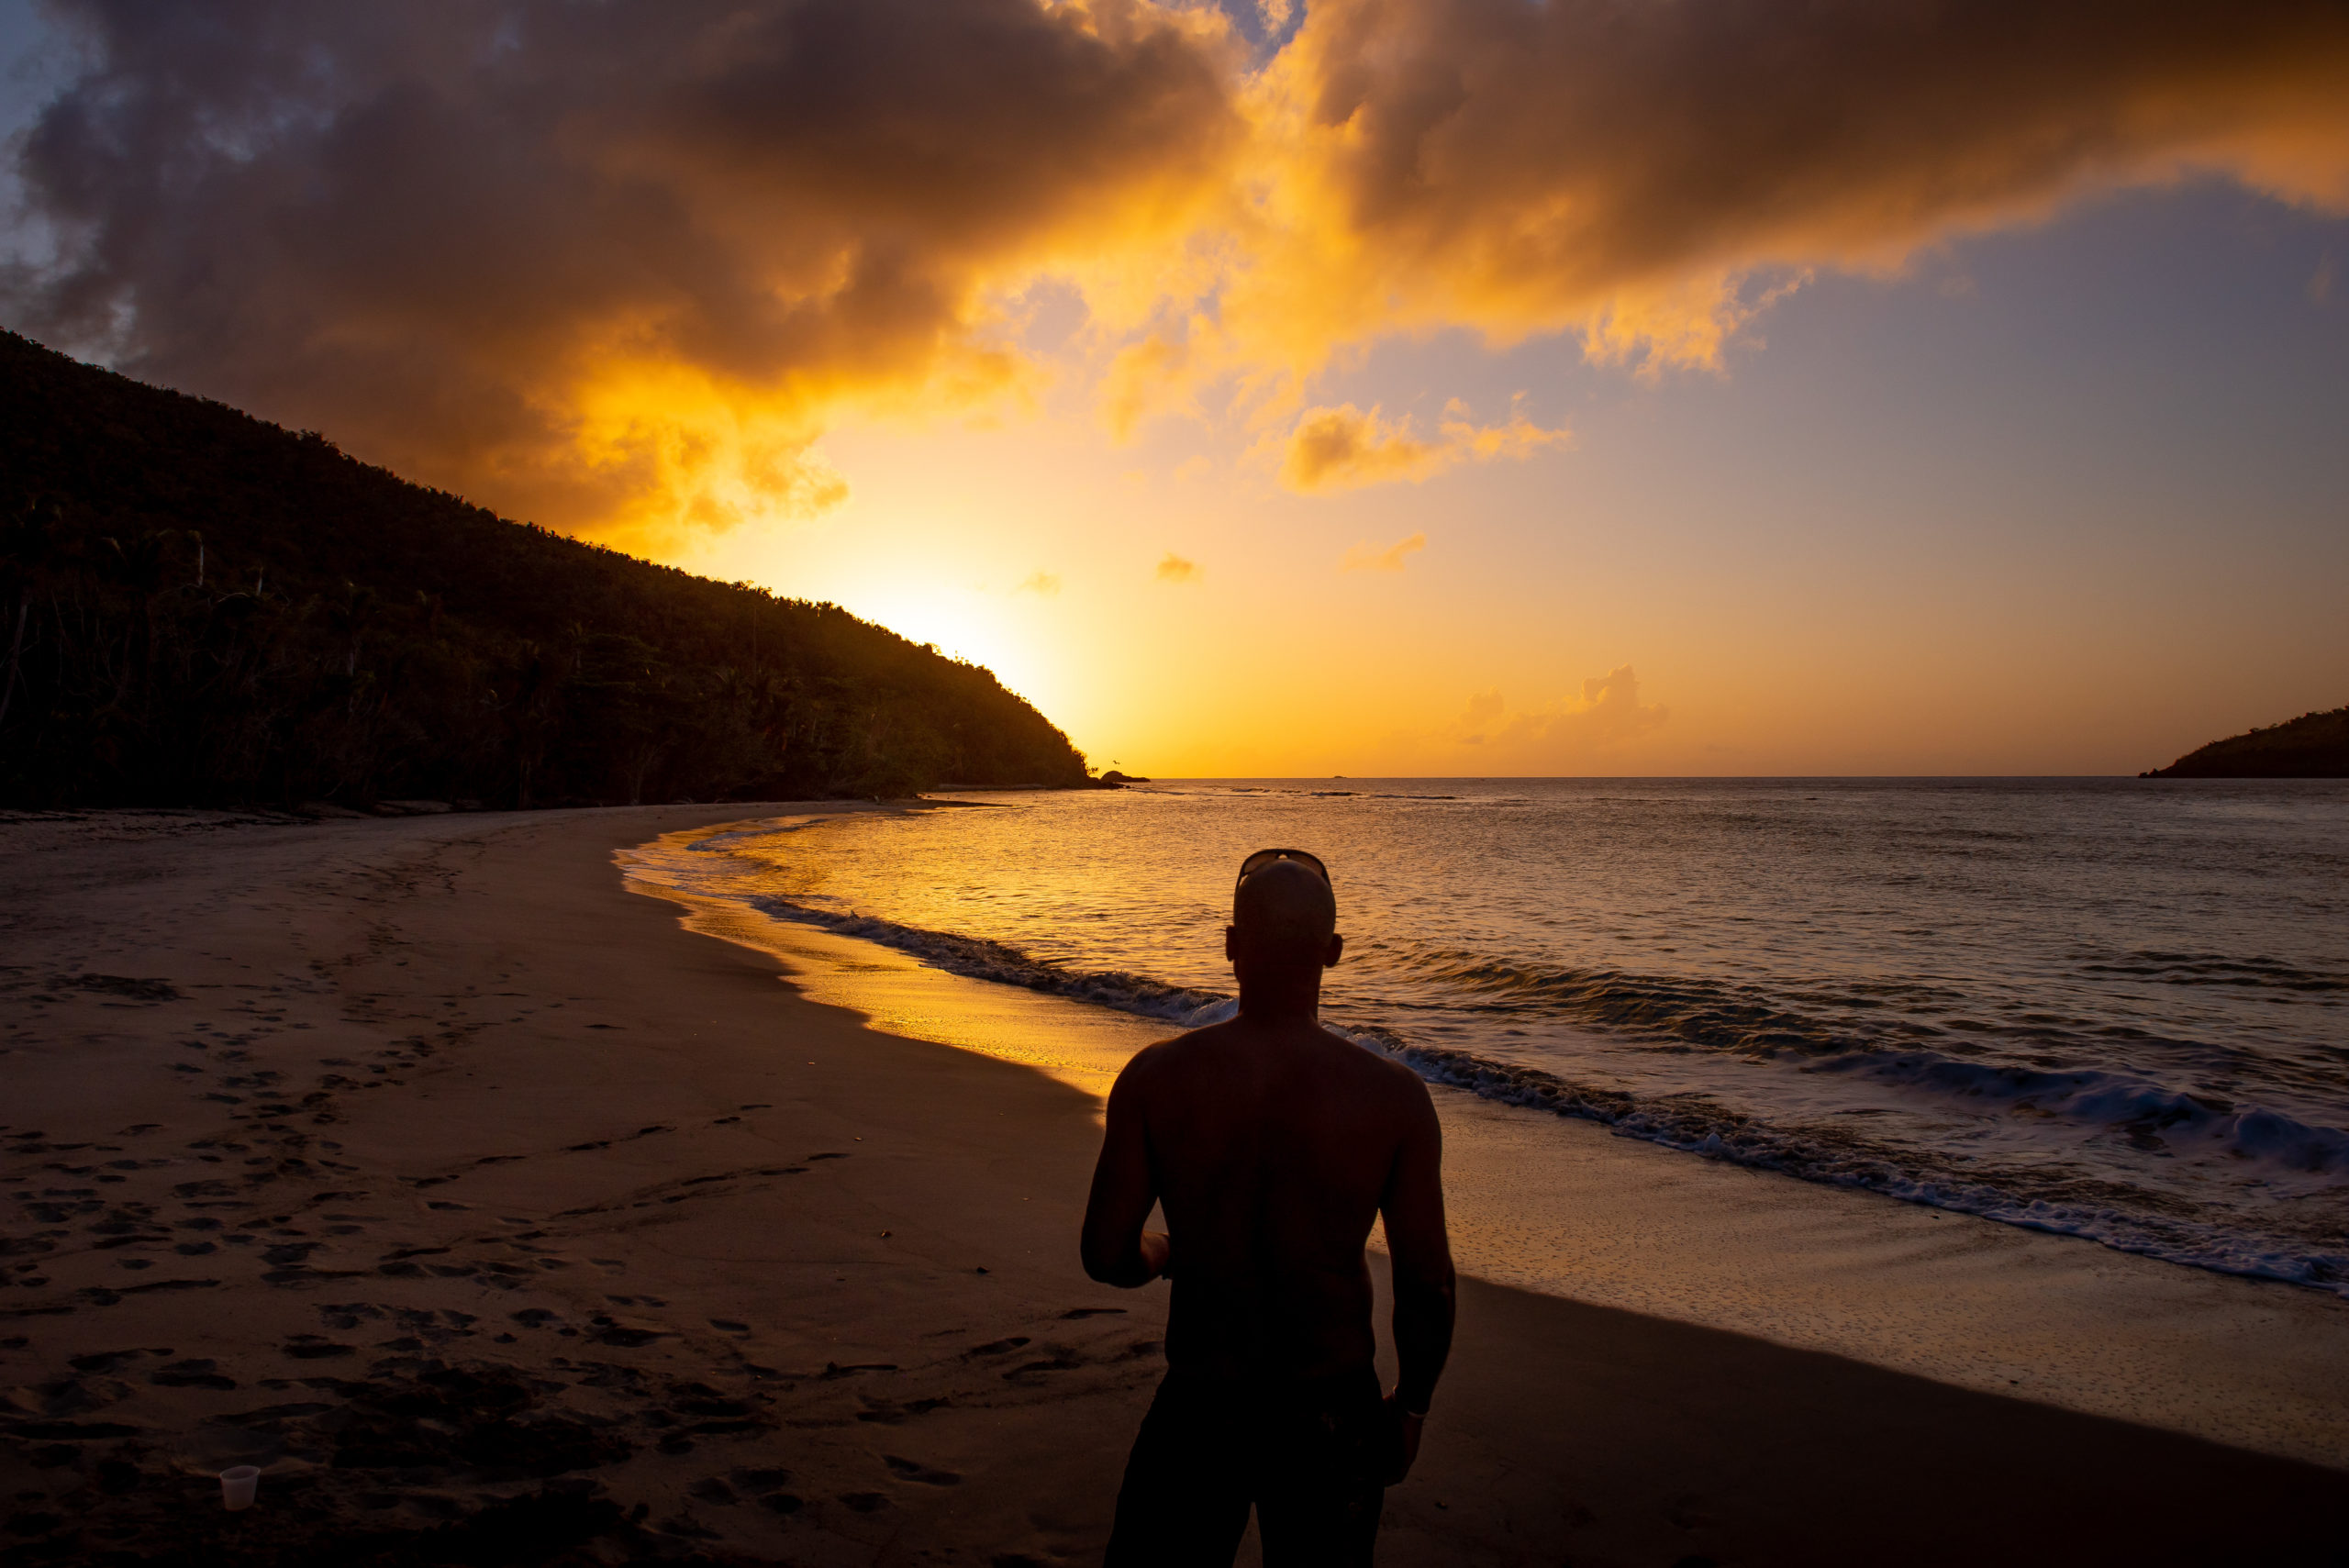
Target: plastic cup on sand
(237, 1486)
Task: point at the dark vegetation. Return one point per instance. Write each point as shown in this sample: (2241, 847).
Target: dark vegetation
(2314, 746)
(197, 608)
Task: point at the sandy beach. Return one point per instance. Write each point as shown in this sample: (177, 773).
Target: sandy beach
(423, 1164)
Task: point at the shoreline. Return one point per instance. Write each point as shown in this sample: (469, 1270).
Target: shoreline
(1977, 1059)
(704, 1228)
(1567, 1208)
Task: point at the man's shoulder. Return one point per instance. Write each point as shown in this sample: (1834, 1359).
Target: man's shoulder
(1375, 1066)
(1163, 1056)
(1171, 1062)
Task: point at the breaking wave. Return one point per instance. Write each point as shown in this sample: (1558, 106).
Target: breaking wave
(1836, 1148)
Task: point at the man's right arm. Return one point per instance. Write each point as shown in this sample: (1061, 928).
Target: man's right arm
(1117, 1250)
(1422, 1250)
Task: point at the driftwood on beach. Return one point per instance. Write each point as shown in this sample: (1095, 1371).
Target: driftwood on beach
(199, 607)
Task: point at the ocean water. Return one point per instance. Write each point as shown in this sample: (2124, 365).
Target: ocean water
(2114, 1009)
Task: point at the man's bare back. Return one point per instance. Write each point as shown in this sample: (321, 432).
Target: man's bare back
(1272, 1144)
(1273, 1149)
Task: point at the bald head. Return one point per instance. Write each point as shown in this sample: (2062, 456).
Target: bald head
(1284, 912)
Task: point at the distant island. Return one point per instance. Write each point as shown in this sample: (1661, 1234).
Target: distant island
(2314, 746)
(197, 608)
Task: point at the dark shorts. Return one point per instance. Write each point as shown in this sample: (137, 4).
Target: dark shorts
(1307, 1457)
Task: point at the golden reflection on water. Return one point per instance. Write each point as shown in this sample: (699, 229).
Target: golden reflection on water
(1079, 1045)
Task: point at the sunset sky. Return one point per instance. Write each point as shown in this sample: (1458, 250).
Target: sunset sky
(1363, 386)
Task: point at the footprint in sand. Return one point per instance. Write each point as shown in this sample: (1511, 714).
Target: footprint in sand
(913, 1470)
(190, 1374)
(627, 1339)
(69, 1396)
(97, 1362)
(1062, 1362)
(765, 1479)
(998, 1347)
(835, 1369)
(314, 1348)
(884, 1413)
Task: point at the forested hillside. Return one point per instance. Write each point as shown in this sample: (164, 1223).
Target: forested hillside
(199, 607)
(2314, 746)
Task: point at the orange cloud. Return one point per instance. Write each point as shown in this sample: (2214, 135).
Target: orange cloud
(1372, 558)
(1043, 585)
(611, 267)
(1336, 449)
(1175, 569)
(1650, 177)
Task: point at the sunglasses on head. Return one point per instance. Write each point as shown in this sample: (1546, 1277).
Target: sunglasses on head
(1263, 857)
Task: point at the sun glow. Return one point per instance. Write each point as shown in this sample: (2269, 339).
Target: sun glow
(695, 457)
(1267, 407)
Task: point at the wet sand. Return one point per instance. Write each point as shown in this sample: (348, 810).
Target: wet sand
(422, 1164)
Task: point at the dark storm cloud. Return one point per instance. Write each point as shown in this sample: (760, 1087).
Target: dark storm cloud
(561, 255)
(1522, 165)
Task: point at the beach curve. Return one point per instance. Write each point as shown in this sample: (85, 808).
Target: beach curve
(761, 1280)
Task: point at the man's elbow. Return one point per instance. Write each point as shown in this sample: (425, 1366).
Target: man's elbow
(1106, 1266)
(1431, 1289)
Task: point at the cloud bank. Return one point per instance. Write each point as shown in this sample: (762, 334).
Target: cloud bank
(1623, 167)
(617, 267)
(601, 264)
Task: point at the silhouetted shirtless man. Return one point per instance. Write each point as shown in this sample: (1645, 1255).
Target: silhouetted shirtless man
(1272, 1143)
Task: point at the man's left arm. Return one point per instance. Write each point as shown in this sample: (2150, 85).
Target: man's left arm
(1418, 1242)
(1117, 1250)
